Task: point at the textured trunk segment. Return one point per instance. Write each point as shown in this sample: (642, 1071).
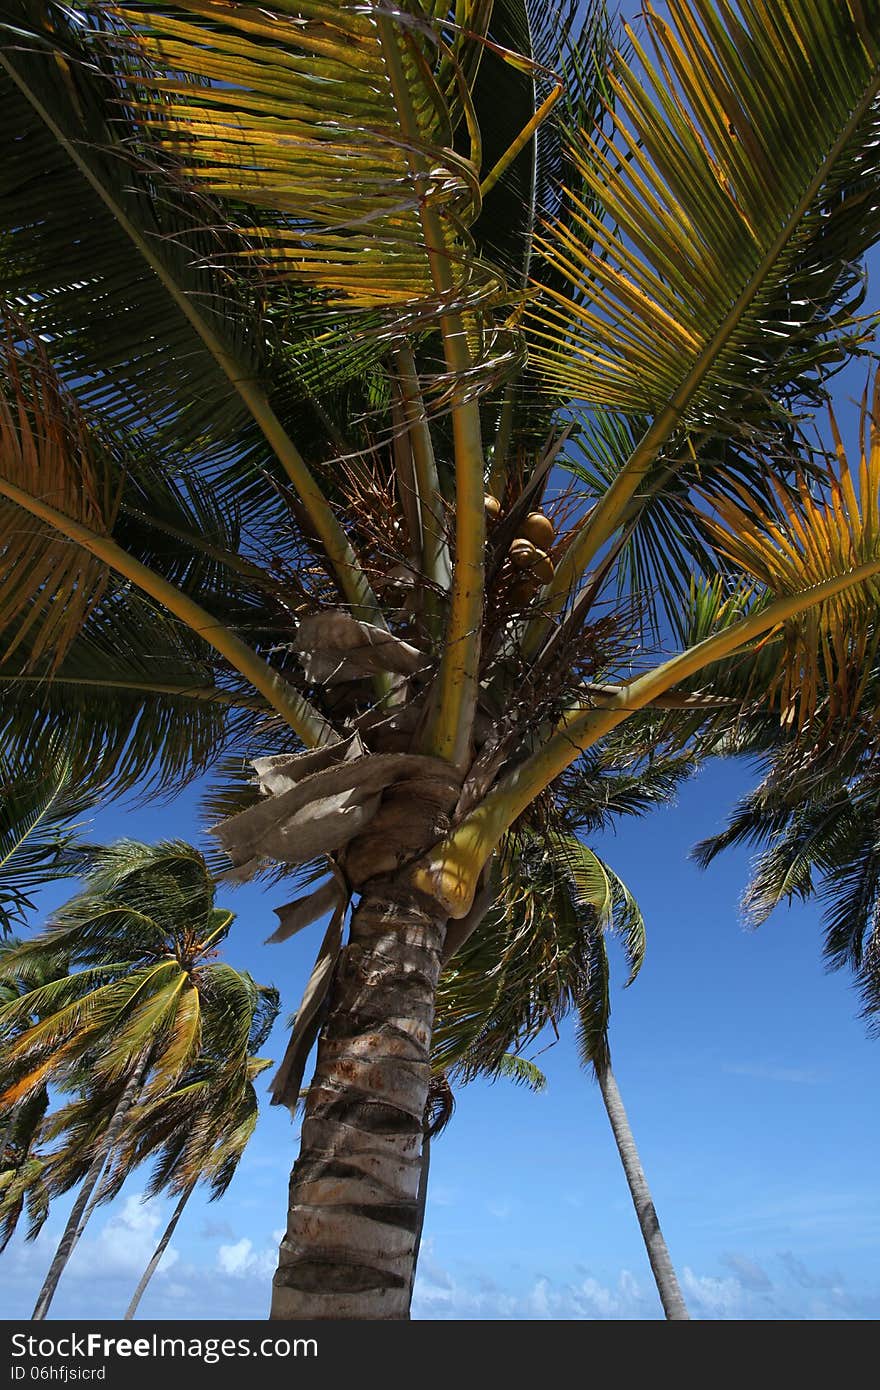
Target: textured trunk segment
(665, 1277)
(353, 1216)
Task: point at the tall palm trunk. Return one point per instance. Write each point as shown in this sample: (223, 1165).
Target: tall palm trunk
(353, 1212)
(661, 1265)
(75, 1222)
(159, 1252)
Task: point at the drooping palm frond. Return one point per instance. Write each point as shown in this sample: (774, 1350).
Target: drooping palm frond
(814, 819)
(137, 705)
(39, 805)
(522, 1072)
(49, 587)
(198, 1131)
(538, 955)
(347, 208)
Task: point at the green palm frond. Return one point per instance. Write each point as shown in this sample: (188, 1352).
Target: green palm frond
(38, 832)
(667, 545)
(123, 339)
(137, 701)
(522, 1072)
(589, 884)
(538, 955)
(631, 777)
(814, 818)
(724, 226)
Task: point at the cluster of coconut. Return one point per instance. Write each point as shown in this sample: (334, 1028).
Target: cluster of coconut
(528, 558)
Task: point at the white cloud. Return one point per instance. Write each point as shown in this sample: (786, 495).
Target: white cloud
(440, 1295)
(715, 1298)
(749, 1273)
(242, 1261)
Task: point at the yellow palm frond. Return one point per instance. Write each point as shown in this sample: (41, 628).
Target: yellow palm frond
(803, 540)
(334, 125)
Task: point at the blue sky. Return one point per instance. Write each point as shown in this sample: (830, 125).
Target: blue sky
(749, 1082)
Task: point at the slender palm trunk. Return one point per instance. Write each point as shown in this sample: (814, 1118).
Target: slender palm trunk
(353, 1213)
(75, 1223)
(661, 1265)
(97, 1198)
(159, 1252)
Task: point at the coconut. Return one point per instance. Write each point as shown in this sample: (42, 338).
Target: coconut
(522, 554)
(542, 567)
(492, 506)
(538, 529)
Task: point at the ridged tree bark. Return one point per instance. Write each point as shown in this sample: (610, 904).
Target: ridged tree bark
(75, 1222)
(421, 1206)
(158, 1252)
(353, 1213)
(665, 1277)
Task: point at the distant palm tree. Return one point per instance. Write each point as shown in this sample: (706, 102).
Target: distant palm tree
(545, 933)
(21, 1125)
(145, 996)
(816, 822)
(205, 1125)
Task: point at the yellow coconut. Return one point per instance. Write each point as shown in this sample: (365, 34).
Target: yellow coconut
(493, 507)
(522, 554)
(538, 529)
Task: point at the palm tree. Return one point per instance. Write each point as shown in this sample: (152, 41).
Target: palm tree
(206, 1123)
(815, 817)
(145, 998)
(537, 955)
(21, 1165)
(281, 405)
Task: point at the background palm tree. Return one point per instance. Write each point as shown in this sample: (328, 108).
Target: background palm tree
(206, 1123)
(539, 954)
(21, 1165)
(816, 821)
(279, 419)
(144, 998)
